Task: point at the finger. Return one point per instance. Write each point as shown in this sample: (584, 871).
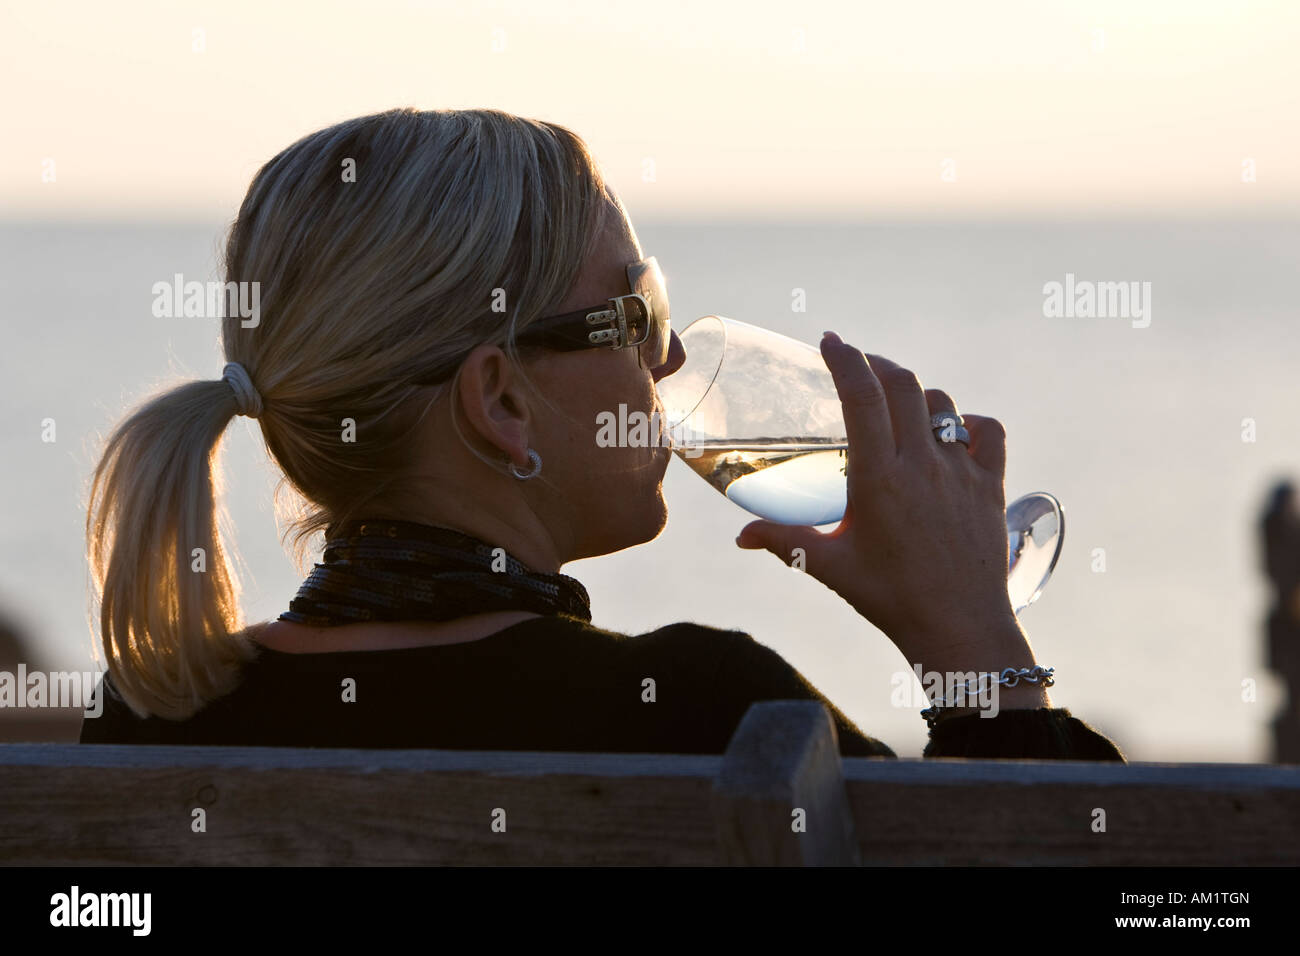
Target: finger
(940, 402)
(988, 443)
(907, 409)
(862, 397)
(937, 401)
(793, 544)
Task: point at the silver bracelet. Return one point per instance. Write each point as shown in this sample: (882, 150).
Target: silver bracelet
(1009, 677)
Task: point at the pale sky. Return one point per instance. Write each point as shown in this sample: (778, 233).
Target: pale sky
(745, 110)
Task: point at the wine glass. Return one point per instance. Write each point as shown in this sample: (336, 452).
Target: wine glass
(756, 415)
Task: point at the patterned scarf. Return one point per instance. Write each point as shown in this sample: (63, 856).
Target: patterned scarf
(386, 570)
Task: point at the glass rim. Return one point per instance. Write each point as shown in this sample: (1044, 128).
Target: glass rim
(722, 321)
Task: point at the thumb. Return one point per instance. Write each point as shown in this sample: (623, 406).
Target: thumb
(782, 540)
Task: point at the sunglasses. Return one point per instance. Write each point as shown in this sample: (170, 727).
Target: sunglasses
(637, 320)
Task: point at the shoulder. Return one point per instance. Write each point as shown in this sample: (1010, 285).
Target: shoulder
(679, 631)
(702, 644)
(690, 635)
(682, 635)
(721, 671)
(725, 661)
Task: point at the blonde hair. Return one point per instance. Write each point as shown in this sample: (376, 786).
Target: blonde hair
(363, 285)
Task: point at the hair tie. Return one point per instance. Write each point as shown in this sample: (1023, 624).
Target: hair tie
(250, 403)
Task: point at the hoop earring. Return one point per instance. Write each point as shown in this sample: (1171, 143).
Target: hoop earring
(536, 460)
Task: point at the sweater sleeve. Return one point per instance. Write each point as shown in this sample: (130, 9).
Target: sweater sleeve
(748, 671)
(1049, 733)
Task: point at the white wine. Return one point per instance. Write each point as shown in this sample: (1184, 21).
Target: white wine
(788, 480)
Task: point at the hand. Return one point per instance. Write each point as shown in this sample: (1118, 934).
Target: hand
(922, 550)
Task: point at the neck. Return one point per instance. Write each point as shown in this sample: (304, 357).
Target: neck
(510, 524)
(400, 569)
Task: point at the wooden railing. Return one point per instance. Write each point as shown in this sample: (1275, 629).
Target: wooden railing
(781, 794)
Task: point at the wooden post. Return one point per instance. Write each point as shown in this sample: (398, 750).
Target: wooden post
(1281, 527)
(779, 798)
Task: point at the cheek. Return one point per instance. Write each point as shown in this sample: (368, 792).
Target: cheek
(583, 434)
(603, 426)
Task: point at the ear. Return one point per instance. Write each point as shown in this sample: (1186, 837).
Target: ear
(495, 402)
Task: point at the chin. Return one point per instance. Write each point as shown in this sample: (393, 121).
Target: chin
(648, 521)
(660, 518)
(634, 526)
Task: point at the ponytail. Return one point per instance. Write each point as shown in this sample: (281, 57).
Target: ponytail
(169, 610)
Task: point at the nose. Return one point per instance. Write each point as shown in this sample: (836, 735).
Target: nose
(676, 356)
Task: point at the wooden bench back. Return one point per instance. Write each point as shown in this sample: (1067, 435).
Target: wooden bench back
(780, 795)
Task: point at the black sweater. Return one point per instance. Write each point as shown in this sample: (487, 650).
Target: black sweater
(558, 684)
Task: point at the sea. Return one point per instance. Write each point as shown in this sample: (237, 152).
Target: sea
(1162, 430)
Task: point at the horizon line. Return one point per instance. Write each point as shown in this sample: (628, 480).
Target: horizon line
(882, 217)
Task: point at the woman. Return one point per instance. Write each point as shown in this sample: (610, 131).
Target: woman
(424, 373)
